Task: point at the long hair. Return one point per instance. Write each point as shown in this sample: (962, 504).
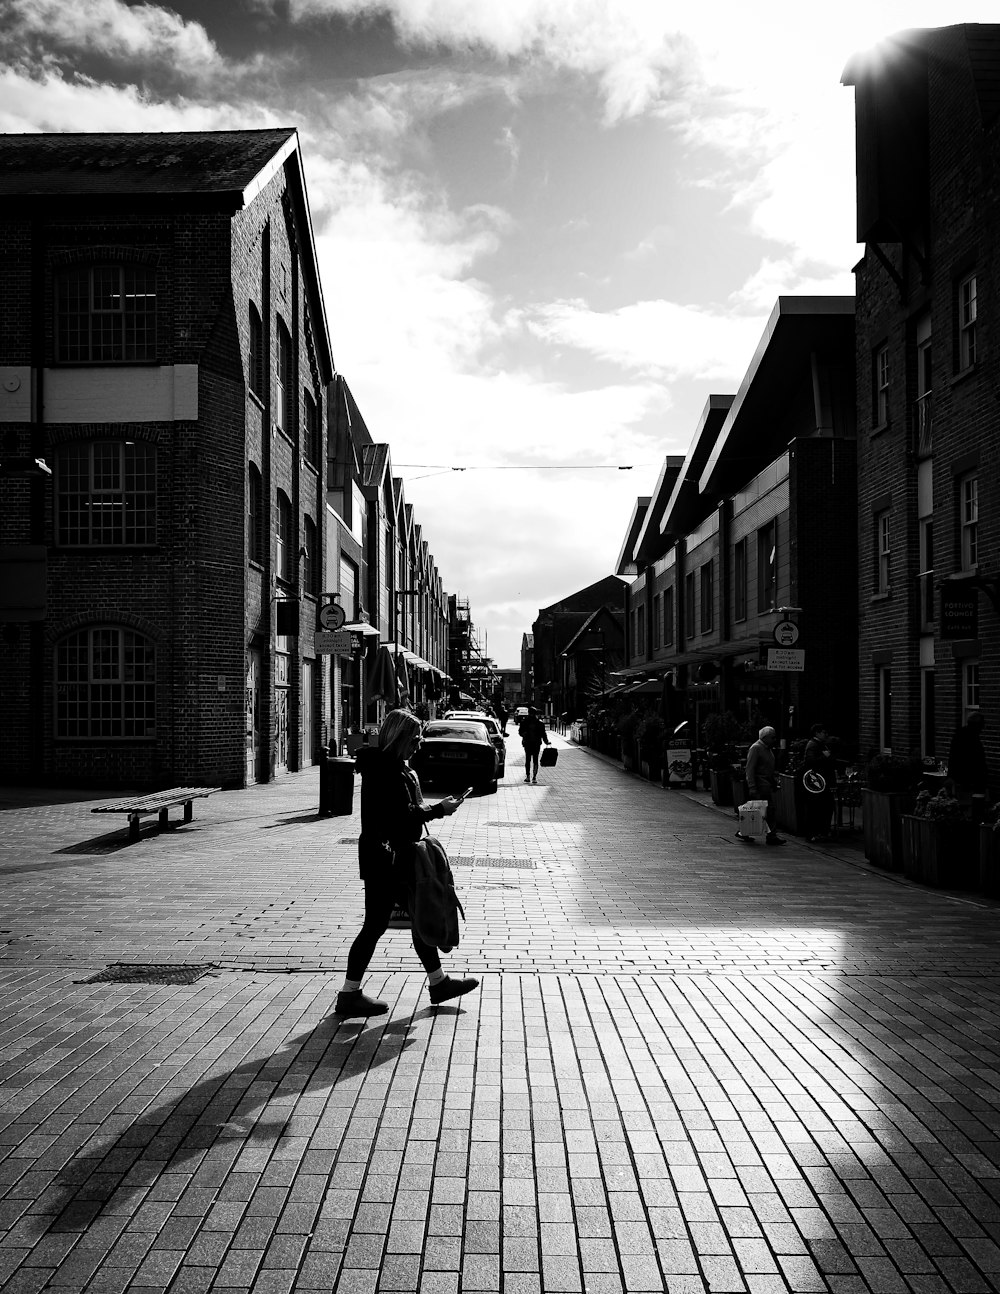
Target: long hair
(397, 731)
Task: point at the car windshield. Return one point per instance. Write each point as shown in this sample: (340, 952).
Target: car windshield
(455, 729)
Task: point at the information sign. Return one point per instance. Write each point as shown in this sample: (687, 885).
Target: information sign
(332, 616)
(959, 610)
(786, 660)
(786, 633)
(338, 643)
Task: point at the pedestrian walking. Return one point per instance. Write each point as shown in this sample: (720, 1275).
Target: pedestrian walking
(967, 760)
(762, 783)
(393, 814)
(819, 776)
(533, 734)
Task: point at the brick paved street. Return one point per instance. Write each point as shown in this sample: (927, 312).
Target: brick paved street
(690, 1066)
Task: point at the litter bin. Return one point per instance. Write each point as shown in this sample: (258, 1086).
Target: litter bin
(336, 785)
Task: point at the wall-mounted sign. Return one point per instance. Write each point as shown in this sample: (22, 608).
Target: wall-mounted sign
(786, 633)
(959, 610)
(337, 643)
(786, 660)
(332, 616)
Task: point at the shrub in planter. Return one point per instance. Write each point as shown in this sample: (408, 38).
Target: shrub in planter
(941, 843)
(893, 773)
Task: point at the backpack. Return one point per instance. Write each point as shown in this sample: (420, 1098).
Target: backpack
(434, 905)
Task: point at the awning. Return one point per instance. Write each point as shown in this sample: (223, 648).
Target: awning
(382, 678)
(362, 627)
(652, 687)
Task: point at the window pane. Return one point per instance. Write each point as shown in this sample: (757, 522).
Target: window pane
(105, 685)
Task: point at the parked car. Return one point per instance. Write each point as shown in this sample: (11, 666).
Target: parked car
(492, 726)
(455, 754)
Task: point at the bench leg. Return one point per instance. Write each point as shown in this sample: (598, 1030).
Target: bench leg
(188, 810)
(164, 819)
(133, 827)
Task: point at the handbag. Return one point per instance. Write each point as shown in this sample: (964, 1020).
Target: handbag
(548, 757)
(434, 905)
(399, 918)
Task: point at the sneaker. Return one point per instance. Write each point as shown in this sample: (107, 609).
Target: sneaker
(527, 779)
(448, 988)
(745, 840)
(355, 1003)
(534, 781)
(773, 839)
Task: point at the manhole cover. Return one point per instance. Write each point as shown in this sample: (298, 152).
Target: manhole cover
(484, 860)
(347, 840)
(139, 973)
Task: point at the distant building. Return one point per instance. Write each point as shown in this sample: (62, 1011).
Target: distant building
(555, 627)
(928, 376)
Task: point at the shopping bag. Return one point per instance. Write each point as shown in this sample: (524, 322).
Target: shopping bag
(400, 918)
(549, 756)
(752, 819)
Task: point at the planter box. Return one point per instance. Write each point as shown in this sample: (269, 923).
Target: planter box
(989, 861)
(721, 786)
(650, 769)
(943, 854)
(788, 810)
(881, 818)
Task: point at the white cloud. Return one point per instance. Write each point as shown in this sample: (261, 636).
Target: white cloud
(656, 338)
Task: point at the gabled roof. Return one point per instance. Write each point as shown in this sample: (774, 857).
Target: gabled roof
(196, 170)
(798, 329)
(682, 509)
(647, 544)
(625, 565)
(234, 164)
(590, 626)
(375, 465)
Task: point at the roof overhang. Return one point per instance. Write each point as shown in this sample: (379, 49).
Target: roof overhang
(647, 544)
(799, 327)
(681, 510)
(625, 564)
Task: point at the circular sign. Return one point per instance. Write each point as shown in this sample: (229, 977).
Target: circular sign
(786, 633)
(813, 782)
(332, 616)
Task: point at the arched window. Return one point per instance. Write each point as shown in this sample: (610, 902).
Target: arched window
(105, 685)
(311, 437)
(256, 364)
(106, 493)
(285, 538)
(310, 556)
(255, 515)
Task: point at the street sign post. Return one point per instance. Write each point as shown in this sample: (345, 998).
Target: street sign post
(786, 660)
(332, 616)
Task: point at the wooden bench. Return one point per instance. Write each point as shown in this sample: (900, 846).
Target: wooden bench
(139, 806)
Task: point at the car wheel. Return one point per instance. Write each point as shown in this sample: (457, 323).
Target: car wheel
(493, 787)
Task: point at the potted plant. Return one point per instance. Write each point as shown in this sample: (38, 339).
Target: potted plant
(649, 735)
(989, 853)
(626, 731)
(940, 842)
(718, 732)
(890, 792)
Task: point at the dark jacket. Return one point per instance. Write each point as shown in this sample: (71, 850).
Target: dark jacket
(819, 757)
(762, 780)
(967, 760)
(393, 814)
(532, 732)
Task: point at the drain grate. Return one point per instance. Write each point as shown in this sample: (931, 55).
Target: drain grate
(531, 825)
(141, 973)
(486, 860)
(347, 840)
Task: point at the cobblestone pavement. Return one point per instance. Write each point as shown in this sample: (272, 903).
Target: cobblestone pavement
(690, 1066)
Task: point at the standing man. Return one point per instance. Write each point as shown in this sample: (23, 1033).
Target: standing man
(762, 782)
(532, 735)
(967, 760)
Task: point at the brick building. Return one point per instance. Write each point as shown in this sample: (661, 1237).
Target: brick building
(554, 629)
(928, 384)
(756, 526)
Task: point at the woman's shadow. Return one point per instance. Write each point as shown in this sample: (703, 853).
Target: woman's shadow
(177, 1136)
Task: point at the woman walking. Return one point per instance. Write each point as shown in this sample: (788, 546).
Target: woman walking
(393, 814)
(532, 735)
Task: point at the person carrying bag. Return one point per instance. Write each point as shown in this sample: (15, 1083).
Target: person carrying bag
(533, 734)
(393, 818)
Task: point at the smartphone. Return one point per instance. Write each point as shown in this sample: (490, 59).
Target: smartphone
(465, 794)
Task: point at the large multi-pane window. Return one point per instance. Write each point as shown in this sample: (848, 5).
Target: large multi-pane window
(767, 566)
(707, 597)
(968, 488)
(106, 493)
(255, 515)
(883, 552)
(884, 681)
(311, 439)
(740, 580)
(926, 576)
(106, 314)
(284, 538)
(880, 371)
(689, 603)
(256, 365)
(640, 631)
(105, 685)
(668, 616)
(657, 619)
(283, 385)
(310, 556)
(967, 310)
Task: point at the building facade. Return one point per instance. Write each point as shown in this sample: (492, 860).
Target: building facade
(928, 376)
(752, 532)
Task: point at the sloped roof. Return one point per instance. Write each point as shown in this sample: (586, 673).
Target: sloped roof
(681, 510)
(647, 543)
(625, 565)
(172, 163)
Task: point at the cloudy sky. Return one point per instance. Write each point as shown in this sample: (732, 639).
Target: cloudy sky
(548, 229)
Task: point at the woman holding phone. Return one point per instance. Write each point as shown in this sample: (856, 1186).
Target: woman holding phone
(393, 814)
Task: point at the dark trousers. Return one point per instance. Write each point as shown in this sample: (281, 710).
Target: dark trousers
(379, 900)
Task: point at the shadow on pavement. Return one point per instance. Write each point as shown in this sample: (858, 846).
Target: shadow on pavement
(217, 1114)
